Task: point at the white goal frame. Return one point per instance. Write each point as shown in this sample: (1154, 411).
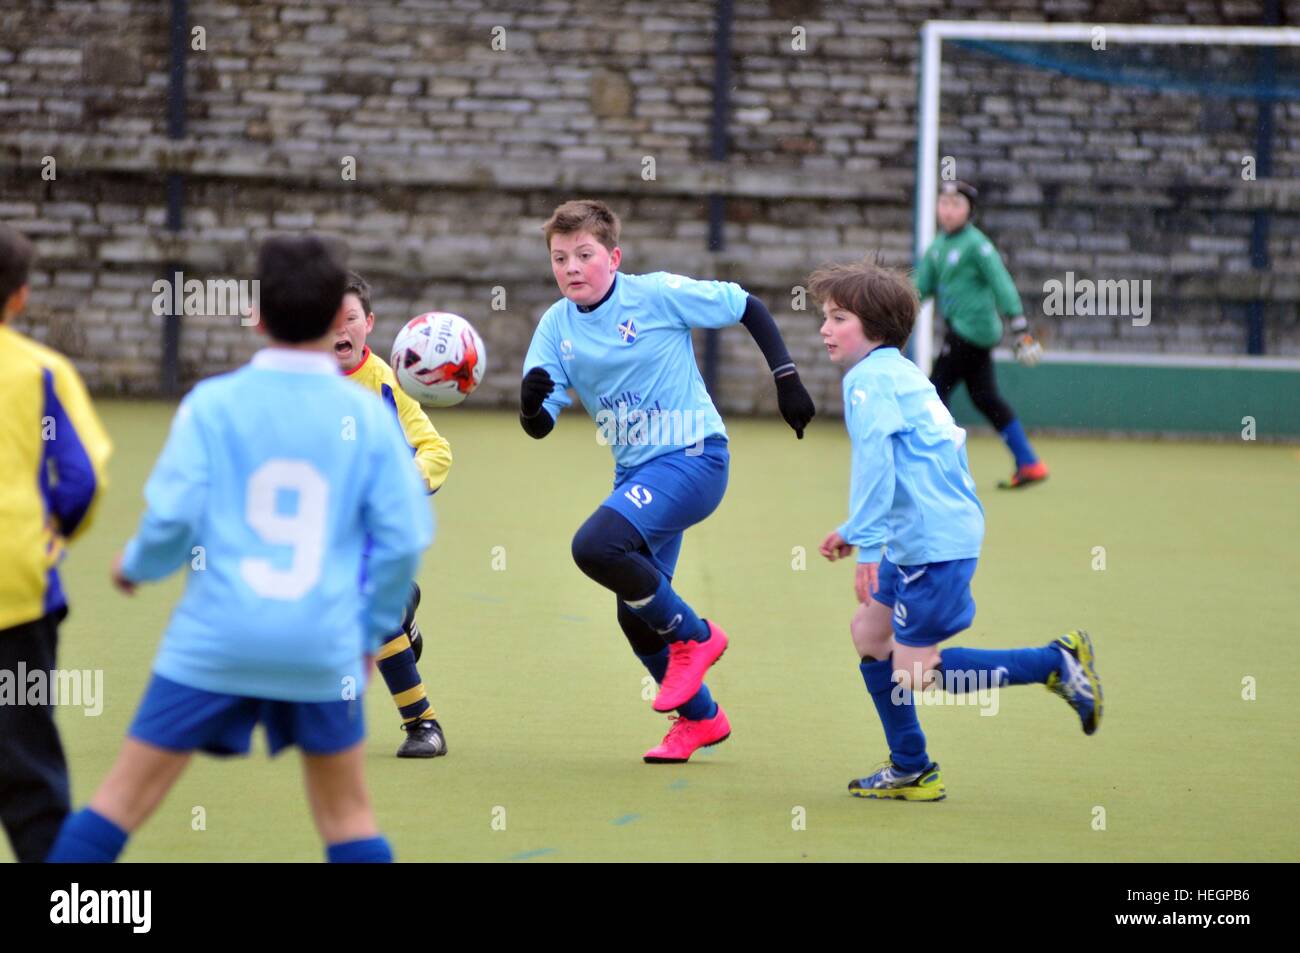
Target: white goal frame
(934, 32)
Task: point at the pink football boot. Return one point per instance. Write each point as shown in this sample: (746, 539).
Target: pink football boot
(687, 663)
(686, 737)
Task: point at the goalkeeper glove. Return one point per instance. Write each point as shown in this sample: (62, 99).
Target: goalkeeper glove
(794, 401)
(1026, 350)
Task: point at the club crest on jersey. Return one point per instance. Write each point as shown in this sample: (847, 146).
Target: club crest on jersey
(627, 331)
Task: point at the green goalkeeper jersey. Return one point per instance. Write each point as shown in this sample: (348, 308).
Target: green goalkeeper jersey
(970, 284)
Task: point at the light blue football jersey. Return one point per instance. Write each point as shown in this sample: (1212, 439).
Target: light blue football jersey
(271, 481)
(632, 363)
(911, 489)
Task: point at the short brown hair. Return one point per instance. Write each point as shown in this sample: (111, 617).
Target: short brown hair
(16, 256)
(584, 215)
(361, 288)
(881, 298)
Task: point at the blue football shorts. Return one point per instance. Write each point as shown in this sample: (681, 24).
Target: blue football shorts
(665, 496)
(181, 718)
(931, 602)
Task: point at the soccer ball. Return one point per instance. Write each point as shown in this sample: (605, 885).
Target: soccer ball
(438, 358)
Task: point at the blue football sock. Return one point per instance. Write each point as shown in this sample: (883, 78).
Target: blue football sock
(902, 729)
(667, 614)
(700, 706)
(87, 838)
(1014, 437)
(369, 850)
(981, 669)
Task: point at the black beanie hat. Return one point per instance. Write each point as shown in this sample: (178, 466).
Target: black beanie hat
(958, 187)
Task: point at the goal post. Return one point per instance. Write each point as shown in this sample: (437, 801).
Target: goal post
(933, 35)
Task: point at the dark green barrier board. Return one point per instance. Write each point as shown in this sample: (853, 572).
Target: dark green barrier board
(1210, 401)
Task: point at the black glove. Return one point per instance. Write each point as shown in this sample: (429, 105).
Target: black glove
(536, 387)
(795, 402)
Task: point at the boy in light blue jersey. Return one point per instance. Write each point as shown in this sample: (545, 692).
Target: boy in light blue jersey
(276, 481)
(912, 496)
(623, 343)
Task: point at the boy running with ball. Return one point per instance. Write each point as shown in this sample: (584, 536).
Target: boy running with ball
(270, 630)
(623, 342)
(912, 496)
(398, 656)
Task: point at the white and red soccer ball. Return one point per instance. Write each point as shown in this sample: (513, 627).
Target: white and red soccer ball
(438, 358)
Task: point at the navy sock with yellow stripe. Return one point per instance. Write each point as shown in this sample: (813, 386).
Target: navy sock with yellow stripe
(396, 663)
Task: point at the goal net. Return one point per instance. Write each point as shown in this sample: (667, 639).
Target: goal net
(1139, 181)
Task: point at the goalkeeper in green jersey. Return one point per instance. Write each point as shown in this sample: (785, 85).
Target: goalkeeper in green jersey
(964, 273)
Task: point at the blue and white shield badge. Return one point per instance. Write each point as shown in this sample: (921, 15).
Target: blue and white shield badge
(627, 331)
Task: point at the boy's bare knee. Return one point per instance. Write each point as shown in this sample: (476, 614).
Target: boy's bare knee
(869, 644)
(871, 631)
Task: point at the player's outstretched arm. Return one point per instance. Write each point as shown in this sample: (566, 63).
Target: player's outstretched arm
(533, 391)
(432, 451)
(793, 399)
(176, 497)
(1026, 349)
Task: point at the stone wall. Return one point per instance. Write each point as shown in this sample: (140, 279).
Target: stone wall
(462, 147)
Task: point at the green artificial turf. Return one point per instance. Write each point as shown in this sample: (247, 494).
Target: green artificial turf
(543, 705)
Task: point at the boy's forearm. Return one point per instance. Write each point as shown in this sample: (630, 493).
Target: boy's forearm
(760, 324)
(158, 549)
(80, 452)
(868, 533)
(435, 464)
(923, 279)
(71, 503)
(431, 450)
